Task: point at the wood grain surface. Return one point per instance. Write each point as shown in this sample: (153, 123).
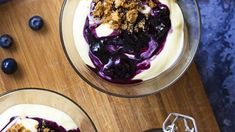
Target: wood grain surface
(43, 64)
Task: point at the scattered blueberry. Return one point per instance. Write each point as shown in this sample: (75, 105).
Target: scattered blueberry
(36, 23)
(9, 66)
(6, 41)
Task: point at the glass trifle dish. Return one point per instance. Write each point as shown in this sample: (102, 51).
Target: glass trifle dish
(36, 118)
(125, 43)
(40, 110)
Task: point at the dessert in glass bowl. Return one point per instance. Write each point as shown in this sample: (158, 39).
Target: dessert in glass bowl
(129, 41)
(36, 118)
(124, 60)
(39, 110)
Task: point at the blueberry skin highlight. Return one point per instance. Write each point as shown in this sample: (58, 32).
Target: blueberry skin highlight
(36, 23)
(9, 66)
(6, 41)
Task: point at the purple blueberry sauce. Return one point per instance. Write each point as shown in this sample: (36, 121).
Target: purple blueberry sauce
(53, 126)
(118, 58)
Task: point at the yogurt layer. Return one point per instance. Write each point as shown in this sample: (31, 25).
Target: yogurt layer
(24, 113)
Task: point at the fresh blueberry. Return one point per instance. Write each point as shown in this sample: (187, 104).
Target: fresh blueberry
(36, 23)
(6, 41)
(164, 9)
(96, 48)
(9, 66)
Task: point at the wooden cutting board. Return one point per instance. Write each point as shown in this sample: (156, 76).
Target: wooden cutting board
(43, 64)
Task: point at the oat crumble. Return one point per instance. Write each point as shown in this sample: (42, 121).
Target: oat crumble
(21, 128)
(121, 14)
(18, 128)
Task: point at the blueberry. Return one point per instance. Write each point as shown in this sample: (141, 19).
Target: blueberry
(164, 9)
(99, 50)
(117, 40)
(120, 69)
(155, 12)
(9, 66)
(36, 23)
(135, 42)
(96, 48)
(6, 41)
(160, 23)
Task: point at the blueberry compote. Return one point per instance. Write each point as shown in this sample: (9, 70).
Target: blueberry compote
(53, 126)
(123, 54)
(46, 124)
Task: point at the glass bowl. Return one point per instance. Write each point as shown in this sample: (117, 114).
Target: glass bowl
(192, 31)
(48, 98)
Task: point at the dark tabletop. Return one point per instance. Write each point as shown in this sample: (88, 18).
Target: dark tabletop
(216, 58)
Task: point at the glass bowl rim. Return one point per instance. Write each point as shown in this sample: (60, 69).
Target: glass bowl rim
(52, 92)
(120, 95)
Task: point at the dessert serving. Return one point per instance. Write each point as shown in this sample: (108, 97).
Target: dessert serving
(36, 118)
(128, 41)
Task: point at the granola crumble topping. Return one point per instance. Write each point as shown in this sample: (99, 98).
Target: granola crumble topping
(18, 128)
(21, 128)
(132, 15)
(122, 14)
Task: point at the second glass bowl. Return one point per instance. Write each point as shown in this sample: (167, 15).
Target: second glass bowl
(49, 98)
(192, 29)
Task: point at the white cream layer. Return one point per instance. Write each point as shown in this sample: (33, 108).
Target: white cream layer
(168, 56)
(33, 110)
